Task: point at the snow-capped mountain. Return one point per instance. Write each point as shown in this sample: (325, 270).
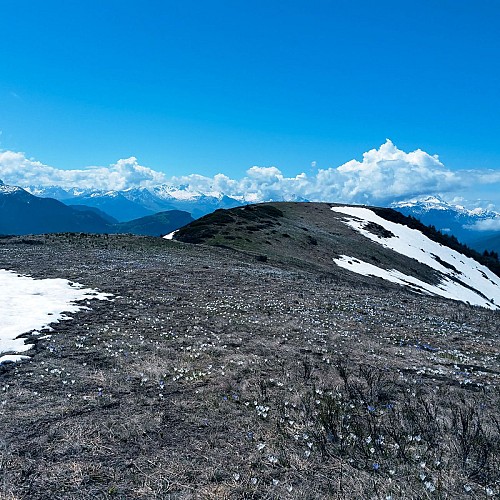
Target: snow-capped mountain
(451, 219)
(113, 203)
(55, 192)
(428, 203)
(23, 213)
(139, 202)
(183, 192)
(198, 203)
(10, 190)
(147, 199)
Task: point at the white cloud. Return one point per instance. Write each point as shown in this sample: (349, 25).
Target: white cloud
(16, 169)
(383, 175)
(486, 225)
(388, 173)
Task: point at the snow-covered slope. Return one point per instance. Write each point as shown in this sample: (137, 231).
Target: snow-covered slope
(28, 304)
(462, 278)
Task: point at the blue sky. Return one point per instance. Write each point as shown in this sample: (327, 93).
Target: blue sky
(218, 86)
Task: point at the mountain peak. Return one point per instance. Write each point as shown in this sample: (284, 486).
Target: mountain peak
(428, 202)
(6, 189)
(425, 204)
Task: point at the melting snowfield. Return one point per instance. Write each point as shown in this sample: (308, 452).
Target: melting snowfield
(462, 279)
(28, 304)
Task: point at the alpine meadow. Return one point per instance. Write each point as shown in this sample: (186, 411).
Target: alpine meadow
(249, 250)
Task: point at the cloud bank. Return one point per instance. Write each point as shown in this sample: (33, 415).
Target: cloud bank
(16, 169)
(383, 175)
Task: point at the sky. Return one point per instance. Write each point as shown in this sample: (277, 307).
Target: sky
(219, 87)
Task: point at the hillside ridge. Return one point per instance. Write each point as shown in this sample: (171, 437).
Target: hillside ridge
(313, 235)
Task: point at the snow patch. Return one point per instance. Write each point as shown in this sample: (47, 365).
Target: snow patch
(9, 189)
(170, 236)
(463, 278)
(447, 288)
(29, 304)
(185, 192)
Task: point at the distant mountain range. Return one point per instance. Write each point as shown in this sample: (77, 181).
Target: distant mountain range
(139, 202)
(112, 207)
(24, 213)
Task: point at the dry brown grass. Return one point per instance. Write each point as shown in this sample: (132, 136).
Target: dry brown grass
(212, 376)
